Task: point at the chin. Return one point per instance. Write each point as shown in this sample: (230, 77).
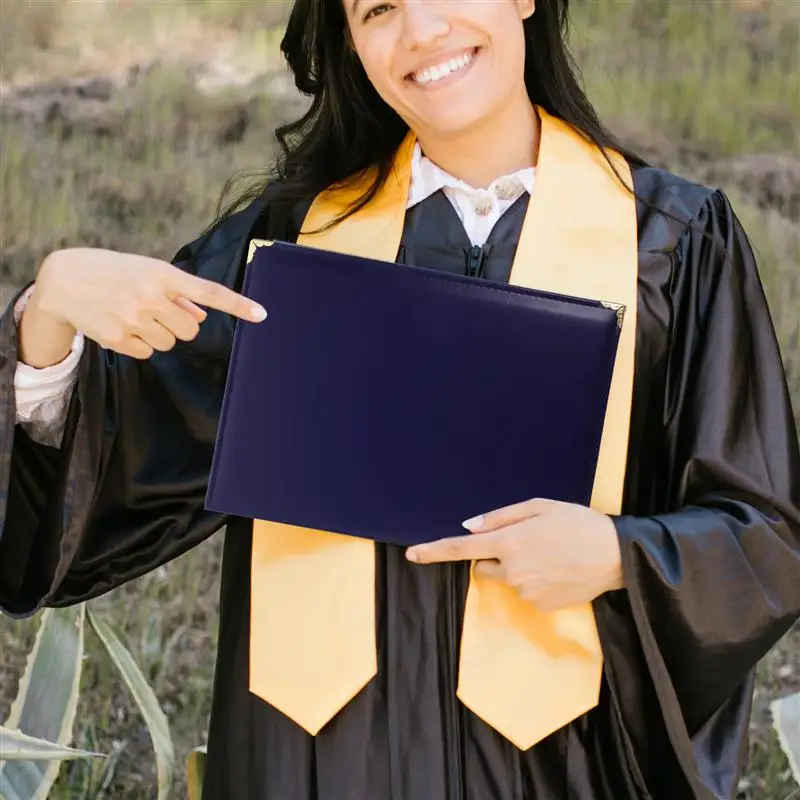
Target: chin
(450, 124)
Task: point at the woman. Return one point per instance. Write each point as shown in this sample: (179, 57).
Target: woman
(104, 476)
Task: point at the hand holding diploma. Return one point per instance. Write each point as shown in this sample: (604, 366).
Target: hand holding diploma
(554, 554)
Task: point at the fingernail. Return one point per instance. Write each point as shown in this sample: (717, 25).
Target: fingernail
(412, 554)
(258, 313)
(473, 523)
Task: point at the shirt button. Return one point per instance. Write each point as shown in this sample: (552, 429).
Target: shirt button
(483, 205)
(508, 188)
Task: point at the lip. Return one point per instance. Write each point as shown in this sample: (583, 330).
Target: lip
(441, 58)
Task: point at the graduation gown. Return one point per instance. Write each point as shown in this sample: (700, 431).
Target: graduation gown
(710, 536)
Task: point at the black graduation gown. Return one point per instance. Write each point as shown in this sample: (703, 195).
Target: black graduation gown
(710, 538)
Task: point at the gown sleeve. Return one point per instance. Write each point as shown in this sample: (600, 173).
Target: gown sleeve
(714, 581)
(125, 491)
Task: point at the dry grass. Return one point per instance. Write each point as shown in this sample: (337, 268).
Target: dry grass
(44, 40)
(144, 175)
(143, 172)
(720, 75)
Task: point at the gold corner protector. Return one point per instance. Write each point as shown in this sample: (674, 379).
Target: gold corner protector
(254, 245)
(619, 308)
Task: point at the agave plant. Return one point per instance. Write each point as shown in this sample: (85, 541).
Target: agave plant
(36, 737)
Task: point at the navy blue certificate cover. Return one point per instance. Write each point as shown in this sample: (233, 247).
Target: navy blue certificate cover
(393, 402)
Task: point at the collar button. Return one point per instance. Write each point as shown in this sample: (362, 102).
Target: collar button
(483, 205)
(507, 188)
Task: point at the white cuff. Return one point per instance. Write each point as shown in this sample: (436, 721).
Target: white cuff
(48, 380)
(42, 395)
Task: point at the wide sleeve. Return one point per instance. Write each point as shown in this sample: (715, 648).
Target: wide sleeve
(714, 581)
(125, 491)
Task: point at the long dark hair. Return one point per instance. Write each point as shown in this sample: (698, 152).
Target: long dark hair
(349, 129)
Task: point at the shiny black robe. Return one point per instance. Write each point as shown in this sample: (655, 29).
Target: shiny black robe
(710, 536)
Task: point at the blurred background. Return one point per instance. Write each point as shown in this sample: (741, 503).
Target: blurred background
(122, 120)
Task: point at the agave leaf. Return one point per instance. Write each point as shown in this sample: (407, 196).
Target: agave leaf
(786, 719)
(195, 768)
(8, 792)
(146, 700)
(17, 746)
(46, 701)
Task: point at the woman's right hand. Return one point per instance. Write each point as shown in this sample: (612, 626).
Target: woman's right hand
(128, 303)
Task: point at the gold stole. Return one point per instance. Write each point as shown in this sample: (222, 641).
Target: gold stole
(524, 672)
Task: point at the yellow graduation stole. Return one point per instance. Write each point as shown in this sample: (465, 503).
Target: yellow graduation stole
(524, 672)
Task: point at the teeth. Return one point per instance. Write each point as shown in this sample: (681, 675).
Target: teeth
(441, 70)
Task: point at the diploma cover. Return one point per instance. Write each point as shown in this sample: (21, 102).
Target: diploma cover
(313, 646)
(358, 406)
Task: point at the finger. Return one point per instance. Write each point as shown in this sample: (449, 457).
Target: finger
(490, 570)
(188, 305)
(182, 324)
(508, 515)
(134, 347)
(214, 295)
(156, 335)
(456, 548)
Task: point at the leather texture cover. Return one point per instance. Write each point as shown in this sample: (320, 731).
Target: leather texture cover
(393, 402)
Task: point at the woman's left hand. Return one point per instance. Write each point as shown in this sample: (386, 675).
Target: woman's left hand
(554, 554)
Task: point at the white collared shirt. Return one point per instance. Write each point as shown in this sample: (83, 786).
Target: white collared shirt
(42, 395)
(478, 209)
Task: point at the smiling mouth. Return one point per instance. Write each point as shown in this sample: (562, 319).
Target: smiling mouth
(432, 75)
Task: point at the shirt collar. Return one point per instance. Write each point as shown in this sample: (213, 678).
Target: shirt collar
(427, 178)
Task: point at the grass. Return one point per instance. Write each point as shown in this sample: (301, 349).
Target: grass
(687, 81)
(723, 75)
(136, 186)
(44, 40)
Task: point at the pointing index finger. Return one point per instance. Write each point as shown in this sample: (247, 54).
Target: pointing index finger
(215, 295)
(457, 548)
